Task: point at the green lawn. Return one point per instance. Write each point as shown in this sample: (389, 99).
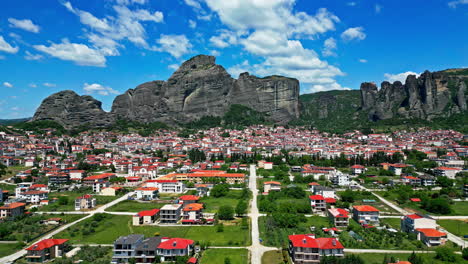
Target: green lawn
(272, 257)
(212, 204)
(113, 226)
(377, 258)
(134, 206)
(13, 170)
(71, 196)
(460, 208)
(456, 227)
(218, 256)
(273, 236)
(8, 249)
(393, 222)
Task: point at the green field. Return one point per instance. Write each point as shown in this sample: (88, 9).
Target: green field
(278, 237)
(456, 227)
(13, 170)
(134, 206)
(217, 256)
(377, 258)
(8, 249)
(113, 226)
(71, 196)
(212, 204)
(393, 222)
(273, 257)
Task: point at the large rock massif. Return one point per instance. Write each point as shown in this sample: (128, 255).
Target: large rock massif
(198, 88)
(431, 95)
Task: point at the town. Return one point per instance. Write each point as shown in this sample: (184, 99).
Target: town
(260, 195)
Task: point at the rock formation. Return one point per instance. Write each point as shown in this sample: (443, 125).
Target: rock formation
(71, 110)
(431, 95)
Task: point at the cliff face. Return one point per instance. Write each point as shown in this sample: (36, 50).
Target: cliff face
(201, 88)
(71, 110)
(198, 88)
(431, 95)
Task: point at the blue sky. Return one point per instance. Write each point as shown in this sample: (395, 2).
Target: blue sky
(104, 47)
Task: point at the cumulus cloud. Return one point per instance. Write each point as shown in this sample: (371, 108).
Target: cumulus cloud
(32, 85)
(7, 84)
(47, 84)
(6, 47)
(129, 2)
(273, 30)
(224, 39)
(355, 33)
(196, 5)
(95, 88)
(454, 4)
(329, 47)
(176, 45)
(362, 60)
(30, 56)
(215, 53)
(192, 24)
(399, 76)
(80, 54)
(24, 24)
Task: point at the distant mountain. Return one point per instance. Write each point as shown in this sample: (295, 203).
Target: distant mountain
(199, 88)
(7, 122)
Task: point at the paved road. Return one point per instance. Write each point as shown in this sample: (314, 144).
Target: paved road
(256, 249)
(101, 209)
(358, 250)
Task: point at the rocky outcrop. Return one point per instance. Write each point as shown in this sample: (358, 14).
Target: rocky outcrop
(431, 95)
(71, 110)
(200, 88)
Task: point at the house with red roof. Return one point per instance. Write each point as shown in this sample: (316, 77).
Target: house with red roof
(357, 169)
(147, 193)
(146, 217)
(166, 185)
(318, 203)
(45, 250)
(271, 186)
(431, 237)
(366, 214)
(448, 172)
(339, 217)
(192, 213)
(411, 222)
(170, 248)
(85, 202)
(308, 249)
(12, 210)
(98, 182)
(188, 199)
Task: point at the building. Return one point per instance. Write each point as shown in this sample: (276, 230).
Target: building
(308, 249)
(447, 172)
(98, 182)
(209, 176)
(34, 197)
(431, 237)
(192, 213)
(147, 217)
(167, 186)
(325, 191)
(45, 250)
(12, 210)
(339, 217)
(409, 223)
(125, 248)
(357, 169)
(318, 204)
(147, 250)
(171, 213)
(366, 214)
(147, 193)
(170, 248)
(84, 202)
(188, 199)
(340, 179)
(397, 169)
(427, 180)
(271, 186)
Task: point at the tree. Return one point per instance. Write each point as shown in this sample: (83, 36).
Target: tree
(63, 200)
(437, 205)
(220, 228)
(226, 212)
(465, 253)
(241, 208)
(445, 254)
(415, 259)
(227, 260)
(220, 190)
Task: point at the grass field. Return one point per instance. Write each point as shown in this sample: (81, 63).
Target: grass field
(218, 256)
(8, 249)
(113, 226)
(212, 204)
(134, 206)
(70, 206)
(272, 257)
(393, 222)
(456, 227)
(376, 258)
(279, 236)
(13, 170)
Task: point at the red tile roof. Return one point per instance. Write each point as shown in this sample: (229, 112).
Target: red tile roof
(148, 212)
(365, 208)
(414, 216)
(175, 243)
(430, 232)
(189, 198)
(316, 197)
(46, 243)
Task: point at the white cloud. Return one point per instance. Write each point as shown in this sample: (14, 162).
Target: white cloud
(192, 24)
(355, 33)
(6, 47)
(215, 53)
(25, 24)
(7, 84)
(202, 14)
(32, 85)
(272, 30)
(224, 39)
(399, 76)
(362, 60)
(329, 47)
(80, 54)
(351, 3)
(176, 45)
(193, 3)
(47, 84)
(99, 89)
(173, 66)
(30, 56)
(128, 2)
(378, 8)
(454, 4)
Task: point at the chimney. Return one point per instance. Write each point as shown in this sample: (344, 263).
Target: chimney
(334, 242)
